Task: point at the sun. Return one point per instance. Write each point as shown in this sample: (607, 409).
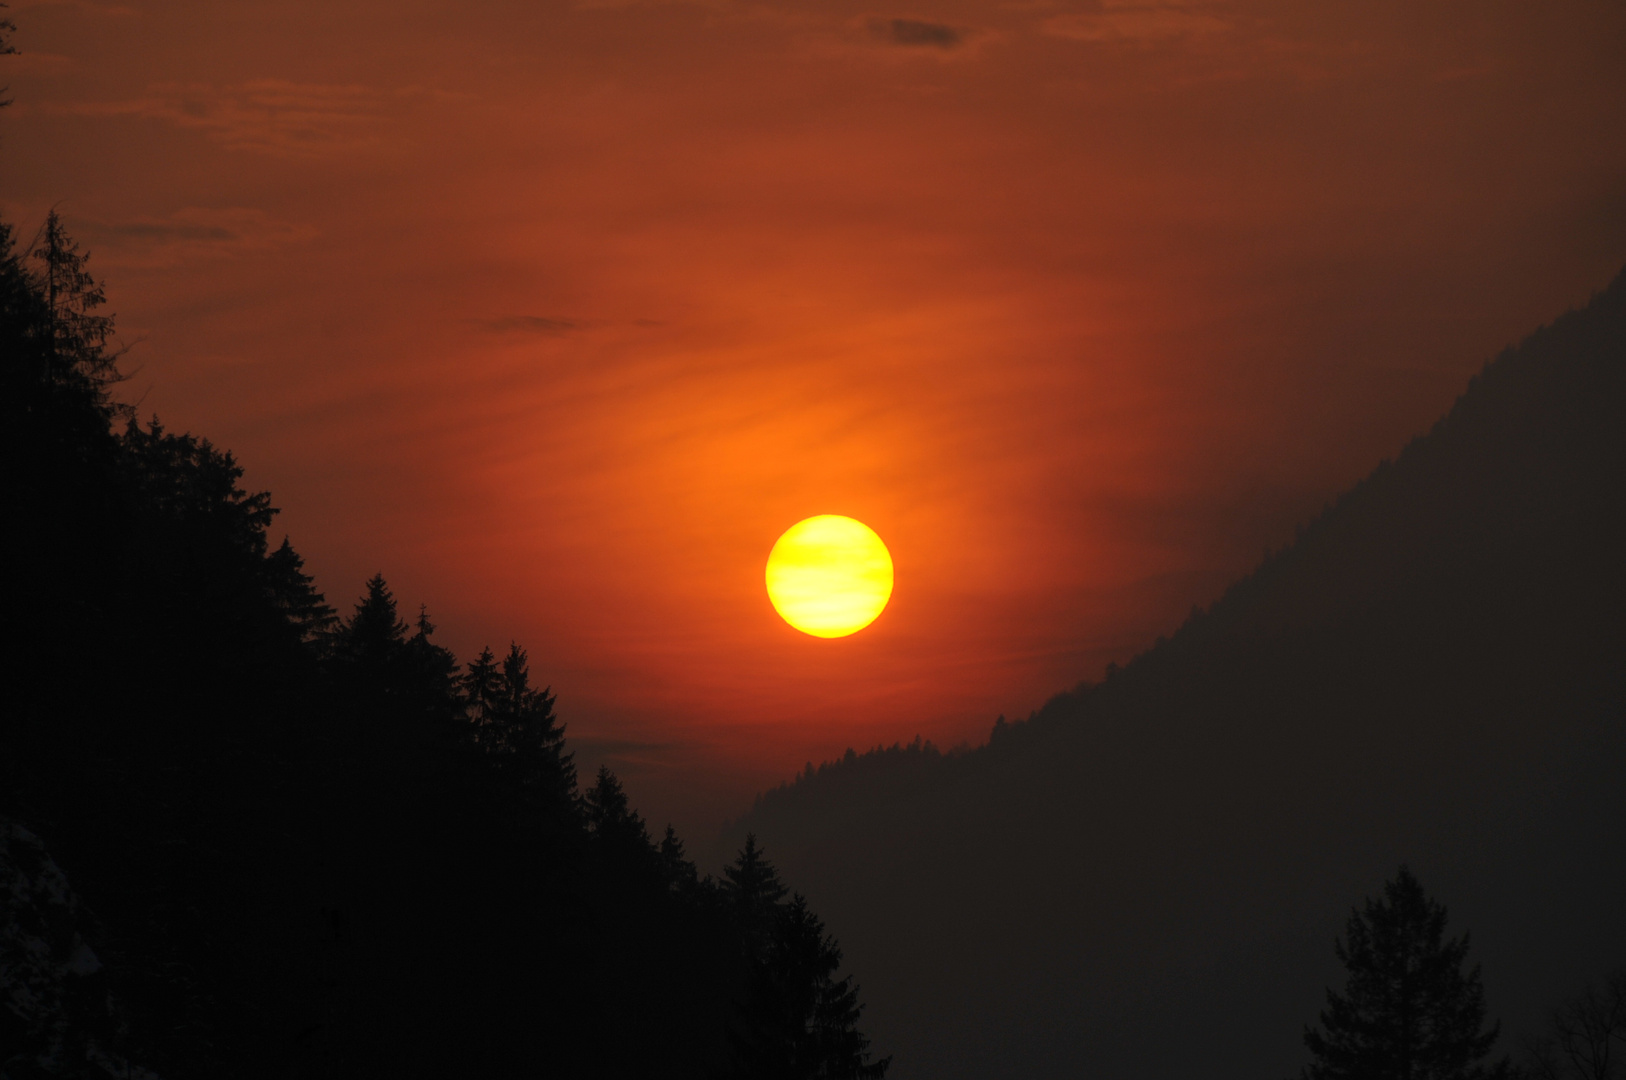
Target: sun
(829, 576)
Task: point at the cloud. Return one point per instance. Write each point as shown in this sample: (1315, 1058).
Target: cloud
(531, 324)
(192, 233)
(269, 116)
(916, 34)
(1129, 20)
(163, 231)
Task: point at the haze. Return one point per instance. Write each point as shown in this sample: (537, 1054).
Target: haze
(558, 315)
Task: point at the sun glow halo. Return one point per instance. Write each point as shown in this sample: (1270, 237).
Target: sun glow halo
(829, 576)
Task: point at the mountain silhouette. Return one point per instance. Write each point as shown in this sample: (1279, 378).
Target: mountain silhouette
(1145, 877)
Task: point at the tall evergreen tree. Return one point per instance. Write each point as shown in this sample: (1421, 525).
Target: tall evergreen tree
(75, 335)
(797, 1021)
(752, 883)
(294, 593)
(199, 540)
(680, 872)
(1409, 1010)
(370, 641)
(429, 672)
(752, 888)
(20, 310)
(55, 379)
(481, 685)
(611, 817)
(189, 483)
(514, 723)
(804, 1020)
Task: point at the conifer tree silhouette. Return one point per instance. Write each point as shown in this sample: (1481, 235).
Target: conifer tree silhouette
(611, 817)
(514, 723)
(1409, 1011)
(813, 1015)
(797, 1019)
(75, 336)
(606, 802)
(821, 1010)
(680, 872)
(57, 372)
(480, 686)
(370, 642)
(295, 594)
(754, 890)
(182, 478)
(429, 672)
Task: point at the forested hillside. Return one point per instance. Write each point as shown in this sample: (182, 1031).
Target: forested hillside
(243, 836)
(1144, 878)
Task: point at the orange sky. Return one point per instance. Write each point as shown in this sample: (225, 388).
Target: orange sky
(558, 314)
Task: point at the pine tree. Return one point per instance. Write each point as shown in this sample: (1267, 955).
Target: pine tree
(375, 624)
(1409, 1011)
(514, 723)
(371, 640)
(55, 373)
(429, 672)
(75, 337)
(293, 592)
(797, 1019)
(194, 486)
(754, 890)
(800, 1021)
(610, 816)
(752, 881)
(480, 688)
(681, 874)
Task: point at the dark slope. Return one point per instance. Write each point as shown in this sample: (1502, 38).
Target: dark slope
(242, 838)
(1144, 879)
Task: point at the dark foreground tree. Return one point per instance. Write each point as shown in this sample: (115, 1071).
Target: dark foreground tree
(514, 723)
(798, 1021)
(755, 892)
(611, 818)
(1409, 1010)
(1586, 1038)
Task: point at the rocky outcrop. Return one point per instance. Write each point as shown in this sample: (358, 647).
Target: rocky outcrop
(57, 1018)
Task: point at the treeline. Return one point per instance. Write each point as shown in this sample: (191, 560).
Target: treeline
(309, 845)
(852, 767)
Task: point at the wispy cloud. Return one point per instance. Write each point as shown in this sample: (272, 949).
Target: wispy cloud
(531, 324)
(192, 233)
(269, 116)
(916, 33)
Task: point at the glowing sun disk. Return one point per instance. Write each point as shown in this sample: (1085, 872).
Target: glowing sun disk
(829, 576)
